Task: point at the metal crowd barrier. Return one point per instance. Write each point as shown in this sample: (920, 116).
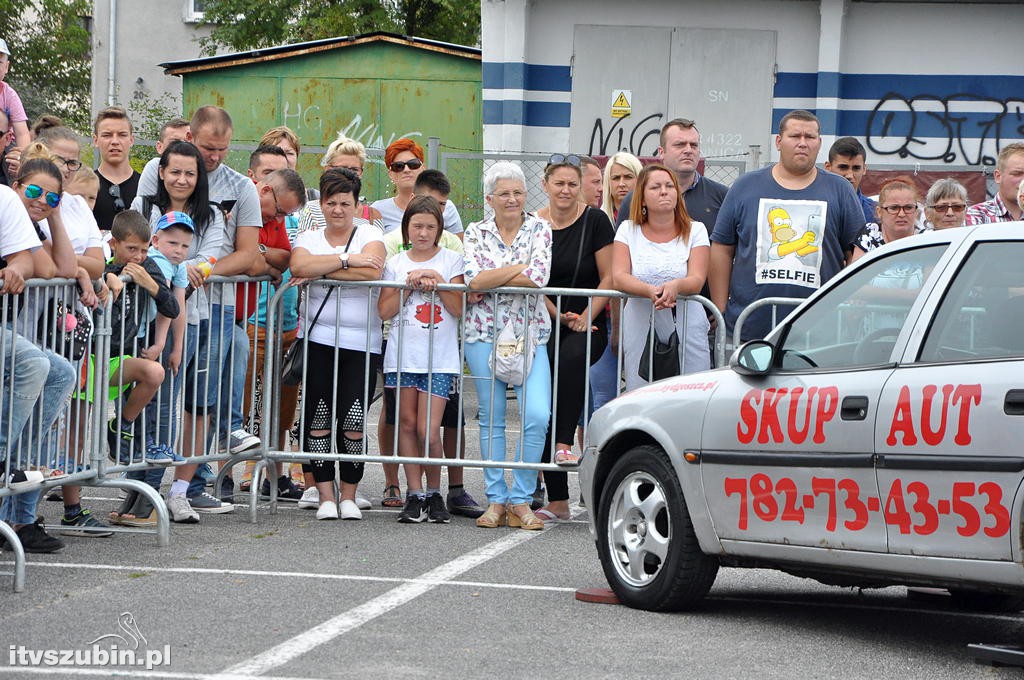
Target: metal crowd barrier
(272, 370)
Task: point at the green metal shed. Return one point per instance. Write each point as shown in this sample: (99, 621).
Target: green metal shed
(375, 87)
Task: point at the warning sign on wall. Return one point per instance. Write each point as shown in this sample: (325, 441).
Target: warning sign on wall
(622, 103)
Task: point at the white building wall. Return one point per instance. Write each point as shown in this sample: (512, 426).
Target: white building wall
(917, 82)
(148, 32)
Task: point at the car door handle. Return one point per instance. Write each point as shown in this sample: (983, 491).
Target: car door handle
(1013, 404)
(854, 408)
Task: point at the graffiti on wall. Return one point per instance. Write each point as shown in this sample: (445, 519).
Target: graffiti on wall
(371, 135)
(897, 126)
(639, 136)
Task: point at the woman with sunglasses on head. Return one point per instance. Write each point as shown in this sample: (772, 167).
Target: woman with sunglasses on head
(404, 162)
(946, 204)
(342, 154)
(897, 216)
(581, 257)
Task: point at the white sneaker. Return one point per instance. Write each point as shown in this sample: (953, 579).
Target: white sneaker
(349, 510)
(181, 511)
(310, 498)
(362, 503)
(328, 510)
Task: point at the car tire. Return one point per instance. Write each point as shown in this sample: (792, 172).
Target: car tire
(648, 548)
(976, 600)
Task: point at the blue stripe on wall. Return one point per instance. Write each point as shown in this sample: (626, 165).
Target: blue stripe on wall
(906, 123)
(519, 76)
(877, 85)
(534, 114)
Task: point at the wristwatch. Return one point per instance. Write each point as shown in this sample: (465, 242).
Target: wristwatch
(344, 260)
(262, 248)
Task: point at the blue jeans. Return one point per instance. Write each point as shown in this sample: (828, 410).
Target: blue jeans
(211, 357)
(230, 411)
(535, 414)
(162, 413)
(52, 379)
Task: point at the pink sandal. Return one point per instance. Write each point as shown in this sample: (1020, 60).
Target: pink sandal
(549, 516)
(566, 458)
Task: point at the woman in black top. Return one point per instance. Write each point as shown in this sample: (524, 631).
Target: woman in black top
(581, 258)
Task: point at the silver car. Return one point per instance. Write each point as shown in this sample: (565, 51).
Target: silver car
(874, 438)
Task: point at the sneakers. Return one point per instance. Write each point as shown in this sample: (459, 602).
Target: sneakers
(239, 440)
(415, 510)
(327, 510)
(181, 511)
(120, 443)
(83, 524)
(210, 504)
(34, 539)
(162, 454)
(436, 511)
(349, 510)
(22, 480)
(227, 489)
(362, 503)
(286, 490)
(464, 504)
(310, 498)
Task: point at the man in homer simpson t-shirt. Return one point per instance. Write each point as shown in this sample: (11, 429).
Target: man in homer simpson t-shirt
(782, 231)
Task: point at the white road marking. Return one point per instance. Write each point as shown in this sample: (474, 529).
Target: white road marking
(378, 606)
(287, 574)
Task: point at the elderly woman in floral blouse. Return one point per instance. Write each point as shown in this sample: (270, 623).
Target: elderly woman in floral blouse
(510, 249)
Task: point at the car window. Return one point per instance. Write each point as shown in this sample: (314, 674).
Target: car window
(856, 323)
(981, 315)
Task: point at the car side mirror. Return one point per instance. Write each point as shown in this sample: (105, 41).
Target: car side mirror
(753, 358)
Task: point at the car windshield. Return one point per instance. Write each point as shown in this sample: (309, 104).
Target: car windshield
(856, 322)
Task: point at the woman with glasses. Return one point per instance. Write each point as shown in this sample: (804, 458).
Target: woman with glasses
(581, 257)
(946, 204)
(512, 248)
(404, 161)
(897, 215)
(342, 154)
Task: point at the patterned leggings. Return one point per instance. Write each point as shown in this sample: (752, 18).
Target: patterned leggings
(348, 377)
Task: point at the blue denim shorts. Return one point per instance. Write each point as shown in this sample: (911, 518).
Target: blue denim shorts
(440, 383)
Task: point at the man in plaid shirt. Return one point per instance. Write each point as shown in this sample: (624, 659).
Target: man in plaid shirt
(1008, 175)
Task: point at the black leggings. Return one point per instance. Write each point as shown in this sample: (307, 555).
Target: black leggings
(347, 414)
(573, 366)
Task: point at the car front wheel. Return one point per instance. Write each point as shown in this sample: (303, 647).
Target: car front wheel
(648, 548)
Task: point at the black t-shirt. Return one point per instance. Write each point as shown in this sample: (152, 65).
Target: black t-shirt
(594, 227)
(107, 205)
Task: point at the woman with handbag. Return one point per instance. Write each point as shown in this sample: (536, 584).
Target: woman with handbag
(581, 257)
(505, 331)
(660, 254)
(342, 340)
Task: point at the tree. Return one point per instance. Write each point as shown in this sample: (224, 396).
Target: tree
(50, 57)
(246, 25)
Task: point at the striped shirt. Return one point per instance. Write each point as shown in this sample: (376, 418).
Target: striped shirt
(988, 212)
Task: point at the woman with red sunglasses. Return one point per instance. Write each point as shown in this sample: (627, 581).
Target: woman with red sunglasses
(404, 161)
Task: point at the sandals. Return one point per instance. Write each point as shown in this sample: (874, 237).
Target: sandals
(522, 517)
(566, 458)
(549, 516)
(392, 497)
(494, 517)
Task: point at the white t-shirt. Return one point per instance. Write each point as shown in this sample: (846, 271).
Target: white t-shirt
(79, 223)
(17, 233)
(391, 214)
(343, 322)
(415, 319)
(656, 263)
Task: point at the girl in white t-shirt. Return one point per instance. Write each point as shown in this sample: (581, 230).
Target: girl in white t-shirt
(422, 357)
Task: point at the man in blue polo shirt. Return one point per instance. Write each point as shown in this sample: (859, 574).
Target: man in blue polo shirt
(846, 157)
(680, 153)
